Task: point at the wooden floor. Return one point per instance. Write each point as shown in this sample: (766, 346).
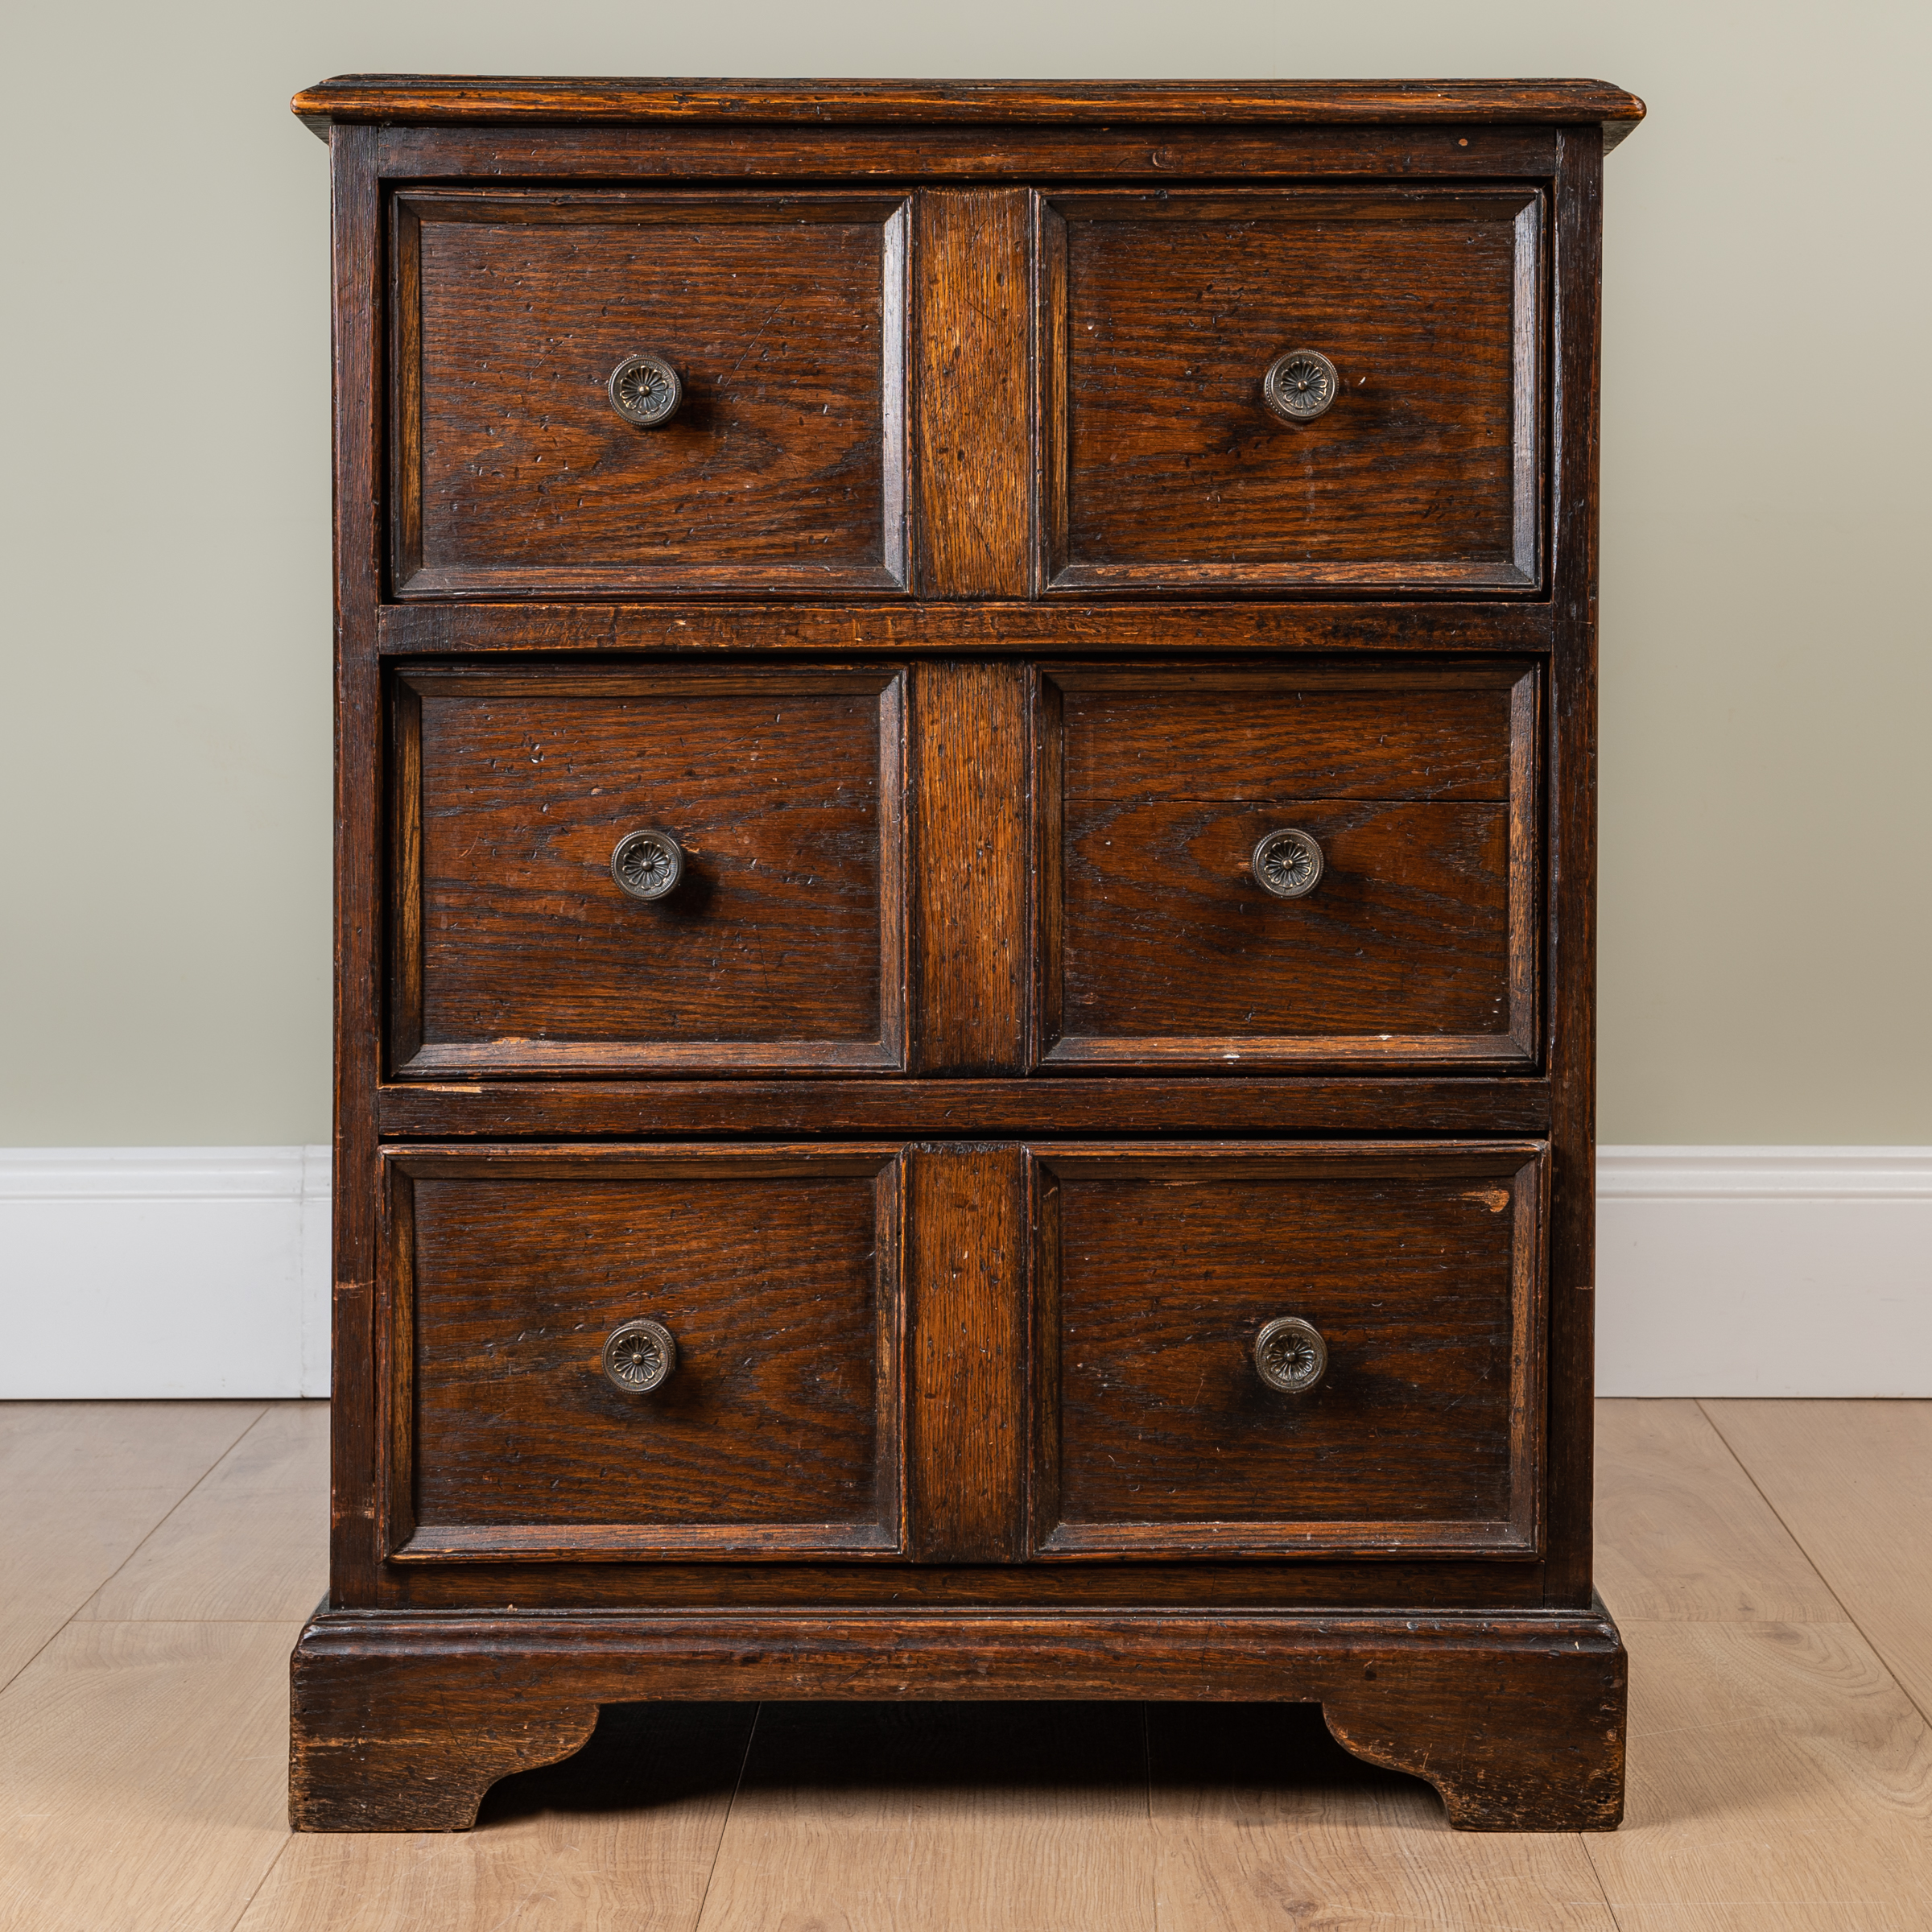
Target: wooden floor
(1770, 1563)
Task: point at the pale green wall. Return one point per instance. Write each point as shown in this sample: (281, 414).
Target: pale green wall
(1765, 951)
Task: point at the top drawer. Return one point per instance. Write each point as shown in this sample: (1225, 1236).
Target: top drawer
(782, 317)
(1418, 469)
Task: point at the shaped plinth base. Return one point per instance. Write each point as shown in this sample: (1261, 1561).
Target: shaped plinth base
(401, 1722)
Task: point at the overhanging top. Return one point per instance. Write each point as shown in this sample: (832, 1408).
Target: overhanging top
(416, 98)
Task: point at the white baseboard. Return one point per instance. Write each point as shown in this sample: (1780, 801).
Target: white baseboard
(163, 1271)
(204, 1271)
(1763, 1271)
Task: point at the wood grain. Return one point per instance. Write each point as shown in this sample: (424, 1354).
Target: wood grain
(1159, 950)
(784, 469)
(1568, 1018)
(1683, 1534)
(1852, 1482)
(1420, 1268)
(968, 733)
(966, 1265)
(81, 1485)
(401, 1722)
(971, 441)
(1774, 1767)
(671, 153)
(1180, 630)
(620, 1837)
(1261, 1819)
(982, 1109)
(434, 97)
(781, 948)
(776, 1272)
(140, 1777)
(249, 1544)
(876, 1818)
(360, 889)
(1423, 474)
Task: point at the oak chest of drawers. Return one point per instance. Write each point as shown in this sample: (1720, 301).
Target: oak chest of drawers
(964, 887)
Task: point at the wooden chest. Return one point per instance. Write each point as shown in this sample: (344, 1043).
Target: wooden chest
(965, 849)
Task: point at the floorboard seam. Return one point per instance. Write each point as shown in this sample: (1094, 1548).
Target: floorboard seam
(268, 1872)
(27, 1663)
(717, 1851)
(1830, 1588)
(247, 1431)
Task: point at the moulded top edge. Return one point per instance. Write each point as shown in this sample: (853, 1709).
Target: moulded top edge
(524, 98)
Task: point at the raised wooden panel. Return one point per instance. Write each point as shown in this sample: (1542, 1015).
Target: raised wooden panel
(784, 315)
(1159, 951)
(972, 358)
(515, 952)
(1163, 471)
(1422, 1266)
(776, 1270)
(968, 1372)
(968, 739)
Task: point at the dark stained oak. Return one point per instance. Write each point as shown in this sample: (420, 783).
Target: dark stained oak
(1166, 629)
(968, 810)
(972, 1107)
(993, 153)
(966, 1387)
(776, 1273)
(784, 469)
(517, 952)
(401, 1722)
(1088, 1103)
(429, 98)
(1422, 1268)
(972, 386)
(1159, 949)
(1165, 309)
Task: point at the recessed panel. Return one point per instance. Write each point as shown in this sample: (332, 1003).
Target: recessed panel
(522, 467)
(540, 817)
(1246, 869)
(1260, 1350)
(1269, 389)
(617, 1351)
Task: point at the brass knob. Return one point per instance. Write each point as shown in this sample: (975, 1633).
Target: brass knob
(1287, 863)
(639, 1356)
(1290, 1355)
(647, 864)
(645, 390)
(1298, 384)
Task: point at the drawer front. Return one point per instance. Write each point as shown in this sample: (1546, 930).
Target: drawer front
(518, 953)
(1414, 947)
(773, 1271)
(782, 317)
(1167, 470)
(1420, 1268)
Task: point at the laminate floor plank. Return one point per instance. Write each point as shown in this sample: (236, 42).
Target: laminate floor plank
(621, 1836)
(81, 1484)
(1777, 1770)
(141, 1779)
(1682, 1533)
(926, 1818)
(250, 1543)
(1853, 1484)
(1262, 1821)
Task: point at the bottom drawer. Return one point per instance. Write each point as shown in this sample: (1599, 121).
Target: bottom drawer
(1266, 1350)
(759, 1418)
(950, 1353)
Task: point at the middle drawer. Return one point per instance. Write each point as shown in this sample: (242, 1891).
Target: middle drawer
(964, 869)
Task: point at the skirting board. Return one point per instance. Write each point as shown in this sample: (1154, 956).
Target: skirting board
(1763, 1271)
(163, 1271)
(204, 1271)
